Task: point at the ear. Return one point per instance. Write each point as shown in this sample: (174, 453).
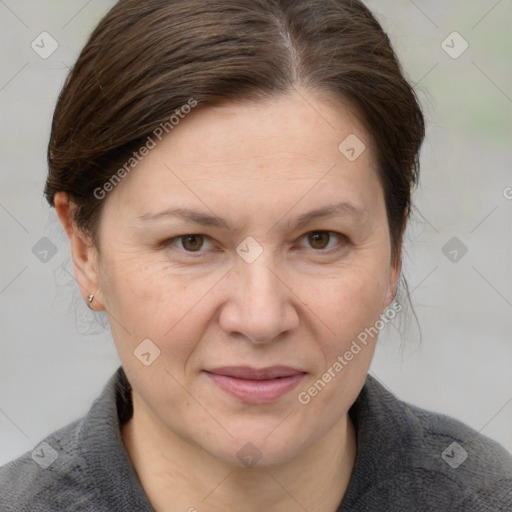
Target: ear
(396, 268)
(83, 252)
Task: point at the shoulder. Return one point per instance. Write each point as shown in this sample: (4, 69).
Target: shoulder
(82, 467)
(48, 477)
(476, 469)
(432, 460)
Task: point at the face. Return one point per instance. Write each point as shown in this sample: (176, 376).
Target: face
(207, 250)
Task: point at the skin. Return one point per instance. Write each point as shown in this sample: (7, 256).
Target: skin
(259, 165)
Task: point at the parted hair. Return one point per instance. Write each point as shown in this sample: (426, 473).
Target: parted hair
(145, 59)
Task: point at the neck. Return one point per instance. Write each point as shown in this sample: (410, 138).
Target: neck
(192, 480)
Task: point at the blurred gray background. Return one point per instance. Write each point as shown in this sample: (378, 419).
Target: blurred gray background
(55, 358)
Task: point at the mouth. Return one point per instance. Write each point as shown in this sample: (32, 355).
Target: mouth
(256, 386)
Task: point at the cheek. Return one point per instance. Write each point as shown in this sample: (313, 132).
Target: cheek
(138, 285)
(362, 298)
(350, 301)
(351, 307)
(145, 301)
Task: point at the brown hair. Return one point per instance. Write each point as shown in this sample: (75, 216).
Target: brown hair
(146, 59)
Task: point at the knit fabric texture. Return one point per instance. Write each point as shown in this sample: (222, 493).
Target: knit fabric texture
(408, 459)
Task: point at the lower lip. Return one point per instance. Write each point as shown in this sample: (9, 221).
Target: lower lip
(257, 391)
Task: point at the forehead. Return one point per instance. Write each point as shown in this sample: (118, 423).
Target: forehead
(301, 125)
(280, 149)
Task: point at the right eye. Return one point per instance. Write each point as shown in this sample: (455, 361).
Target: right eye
(190, 243)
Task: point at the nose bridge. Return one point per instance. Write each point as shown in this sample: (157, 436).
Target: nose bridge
(259, 283)
(260, 308)
(255, 264)
(260, 287)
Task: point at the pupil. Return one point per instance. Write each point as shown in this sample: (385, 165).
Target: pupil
(191, 237)
(318, 234)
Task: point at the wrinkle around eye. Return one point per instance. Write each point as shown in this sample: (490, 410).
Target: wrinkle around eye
(340, 236)
(170, 243)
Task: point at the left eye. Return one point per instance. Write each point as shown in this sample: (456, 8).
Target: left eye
(320, 239)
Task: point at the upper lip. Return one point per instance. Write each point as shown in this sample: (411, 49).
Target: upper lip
(246, 372)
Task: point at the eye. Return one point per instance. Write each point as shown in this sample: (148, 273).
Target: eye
(320, 240)
(191, 243)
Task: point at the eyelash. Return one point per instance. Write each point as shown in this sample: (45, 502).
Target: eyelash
(197, 254)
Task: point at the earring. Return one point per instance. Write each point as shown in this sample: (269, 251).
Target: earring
(89, 301)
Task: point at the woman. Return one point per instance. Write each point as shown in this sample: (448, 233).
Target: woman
(234, 180)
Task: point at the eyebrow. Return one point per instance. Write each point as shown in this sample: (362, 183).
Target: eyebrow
(205, 219)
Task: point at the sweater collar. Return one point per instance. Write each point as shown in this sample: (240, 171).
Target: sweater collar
(383, 428)
(107, 460)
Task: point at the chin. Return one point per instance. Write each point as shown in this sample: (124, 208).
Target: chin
(258, 450)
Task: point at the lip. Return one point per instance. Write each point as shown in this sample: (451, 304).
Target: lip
(256, 386)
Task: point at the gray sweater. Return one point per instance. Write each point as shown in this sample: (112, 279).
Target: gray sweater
(408, 460)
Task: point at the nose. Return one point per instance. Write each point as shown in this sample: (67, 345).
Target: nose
(260, 305)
